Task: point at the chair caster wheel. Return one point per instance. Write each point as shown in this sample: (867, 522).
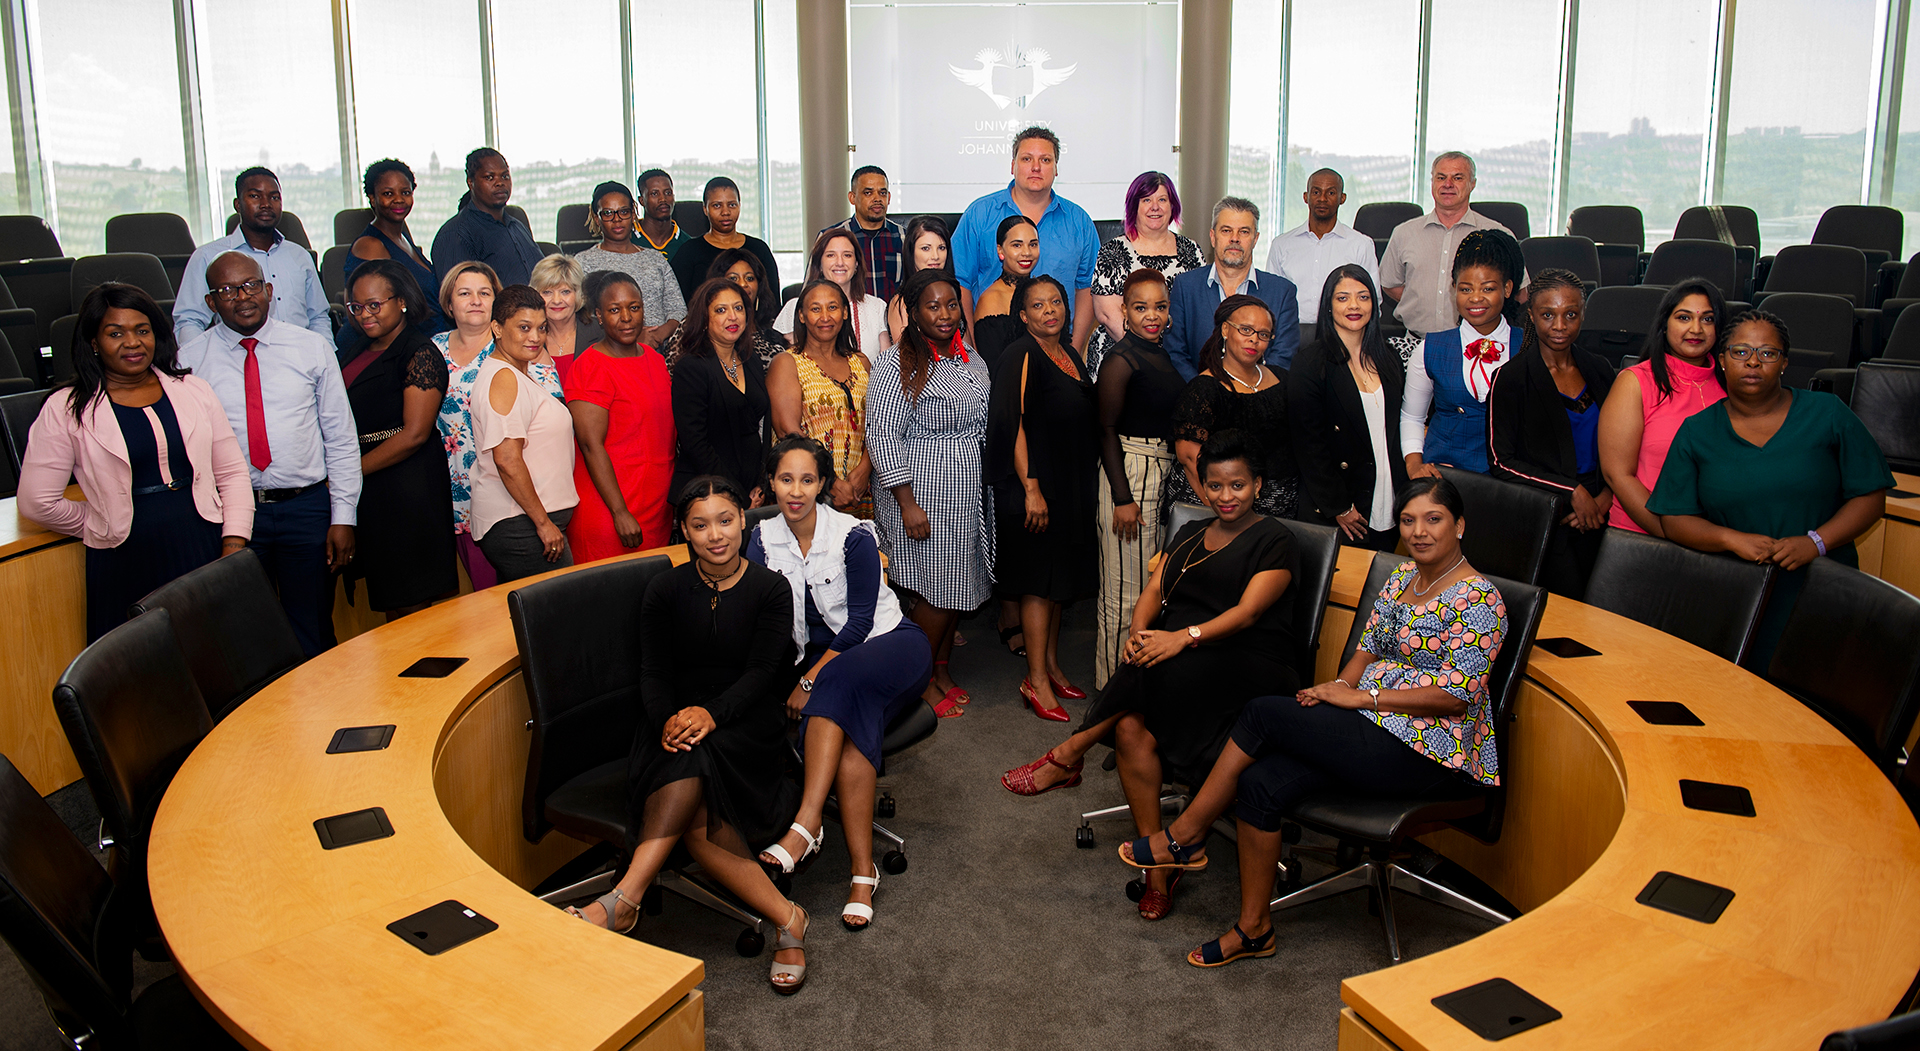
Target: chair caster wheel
(749, 943)
(652, 901)
(895, 863)
(1290, 872)
(1083, 837)
(1136, 889)
(885, 806)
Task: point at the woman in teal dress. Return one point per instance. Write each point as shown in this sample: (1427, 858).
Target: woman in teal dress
(1772, 474)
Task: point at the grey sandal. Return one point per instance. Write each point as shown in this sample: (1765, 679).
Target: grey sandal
(606, 902)
(795, 972)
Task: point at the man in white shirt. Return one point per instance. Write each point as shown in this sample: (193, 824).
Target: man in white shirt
(1306, 254)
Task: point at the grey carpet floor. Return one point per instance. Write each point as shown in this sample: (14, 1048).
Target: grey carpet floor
(1001, 934)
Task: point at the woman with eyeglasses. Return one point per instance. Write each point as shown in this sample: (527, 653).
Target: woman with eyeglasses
(1772, 473)
(1236, 390)
(611, 215)
(405, 546)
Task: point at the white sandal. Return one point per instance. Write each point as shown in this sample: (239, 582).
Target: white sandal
(857, 911)
(797, 972)
(606, 902)
(788, 862)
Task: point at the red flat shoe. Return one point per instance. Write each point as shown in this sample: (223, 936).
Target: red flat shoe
(950, 706)
(1019, 780)
(1056, 714)
(1154, 905)
(1067, 690)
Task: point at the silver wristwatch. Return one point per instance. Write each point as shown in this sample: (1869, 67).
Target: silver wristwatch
(806, 685)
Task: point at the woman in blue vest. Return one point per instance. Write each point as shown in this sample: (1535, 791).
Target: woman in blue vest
(1453, 371)
(864, 662)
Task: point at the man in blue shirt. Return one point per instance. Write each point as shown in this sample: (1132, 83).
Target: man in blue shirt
(283, 394)
(480, 230)
(1196, 294)
(1069, 244)
(298, 298)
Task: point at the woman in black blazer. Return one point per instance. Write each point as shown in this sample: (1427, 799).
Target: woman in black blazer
(1343, 395)
(1542, 417)
(720, 402)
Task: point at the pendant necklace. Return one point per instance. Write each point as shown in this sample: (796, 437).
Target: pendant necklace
(1443, 575)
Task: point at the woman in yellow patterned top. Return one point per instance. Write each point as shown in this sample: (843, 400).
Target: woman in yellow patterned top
(819, 389)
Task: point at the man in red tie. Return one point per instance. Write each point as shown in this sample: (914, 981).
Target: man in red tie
(281, 387)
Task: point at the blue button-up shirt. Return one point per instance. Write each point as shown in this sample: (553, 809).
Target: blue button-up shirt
(310, 428)
(1196, 294)
(474, 235)
(1069, 244)
(298, 298)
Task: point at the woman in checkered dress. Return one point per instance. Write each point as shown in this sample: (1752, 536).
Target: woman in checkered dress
(926, 425)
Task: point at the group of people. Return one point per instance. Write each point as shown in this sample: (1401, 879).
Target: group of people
(1006, 413)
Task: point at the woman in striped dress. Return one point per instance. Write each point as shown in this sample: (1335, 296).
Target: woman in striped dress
(926, 426)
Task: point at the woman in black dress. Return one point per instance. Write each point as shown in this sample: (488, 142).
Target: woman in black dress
(720, 402)
(1209, 633)
(996, 320)
(395, 385)
(1236, 390)
(1043, 460)
(709, 763)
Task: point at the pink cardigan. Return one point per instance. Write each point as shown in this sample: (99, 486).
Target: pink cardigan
(95, 452)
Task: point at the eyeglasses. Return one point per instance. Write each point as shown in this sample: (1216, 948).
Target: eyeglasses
(1258, 335)
(368, 306)
(244, 288)
(1766, 355)
(617, 213)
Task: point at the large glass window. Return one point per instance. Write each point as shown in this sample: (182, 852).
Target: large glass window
(1906, 158)
(783, 131)
(1643, 88)
(1353, 79)
(1253, 117)
(1502, 105)
(562, 135)
(1798, 111)
(109, 114)
(416, 94)
(695, 107)
(288, 122)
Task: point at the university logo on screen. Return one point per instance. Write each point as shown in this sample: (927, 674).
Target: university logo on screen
(1025, 68)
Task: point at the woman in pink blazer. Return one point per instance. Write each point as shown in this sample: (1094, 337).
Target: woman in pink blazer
(166, 487)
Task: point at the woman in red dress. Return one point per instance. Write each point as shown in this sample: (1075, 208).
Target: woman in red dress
(622, 406)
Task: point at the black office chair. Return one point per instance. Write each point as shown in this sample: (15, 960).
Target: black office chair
(17, 413)
(349, 224)
(1108, 229)
(60, 349)
(1836, 270)
(1848, 653)
(333, 273)
(1510, 214)
(1676, 261)
(290, 227)
(132, 715)
(1376, 825)
(60, 914)
(139, 269)
(1886, 397)
(1177, 518)
(1712, 601)
(570, 229)
(1378, 218)
(691, 217)
(36, 271)
(11, 379)
(1564, 253)
(1618, 319)
(23, 334)
(583, 692)
(757, 515)
(1618, 233)
(1899, 1033)
(228, 622)
(1507, 524)
(1819, 322)
(161, 234)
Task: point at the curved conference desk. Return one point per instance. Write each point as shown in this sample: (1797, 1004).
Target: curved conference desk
(286, 941)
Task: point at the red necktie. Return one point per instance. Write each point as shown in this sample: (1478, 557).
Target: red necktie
(257, 451)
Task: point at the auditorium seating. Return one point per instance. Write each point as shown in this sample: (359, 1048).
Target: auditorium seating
(1510, 214)
(348, 224)
(23, 335)
(1564, 253)
(290, 227)
(570, 228)
(17, 413)
(1712, 601)
(333, 272)
(1735, 225)
(1619, 233)
(1886, 397)
(1817, 322)
(1377, 825)
(1900, 1033)
(139, 269)
(1903, 341)
(229, 624)
(1507, 524)
(1618, 320)
(1847, 652)
(60, 338)
(1378, 218)
(691, 217)
(1837, 270)
(11, 380)
(36, 271)
(161, 234)
(69, 926)
(1675, 261)
(1874, 229)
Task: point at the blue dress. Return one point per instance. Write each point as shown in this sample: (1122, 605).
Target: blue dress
(1457, 429)
(422, 275)
(168, 537)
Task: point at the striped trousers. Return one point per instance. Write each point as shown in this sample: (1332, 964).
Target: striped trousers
(1123, 564)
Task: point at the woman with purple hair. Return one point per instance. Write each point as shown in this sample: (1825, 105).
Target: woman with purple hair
(1152, 208)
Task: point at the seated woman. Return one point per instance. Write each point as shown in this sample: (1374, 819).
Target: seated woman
(610, 214)
(865, 663)
(1409, 716)
(1678, 375)
(1771, 474)
(1543, 418)
(1208, 634)
(717, 662)
(1452, 371)
(523, 494)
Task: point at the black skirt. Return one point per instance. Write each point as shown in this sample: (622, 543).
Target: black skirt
(404, 545)
(168, 539)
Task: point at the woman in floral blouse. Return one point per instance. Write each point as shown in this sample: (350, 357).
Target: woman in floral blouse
(1418, 682)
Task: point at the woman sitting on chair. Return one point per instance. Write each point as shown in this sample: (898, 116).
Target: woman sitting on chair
(719, 655)
(865, 663)
(1418, 683)
(1209, 633)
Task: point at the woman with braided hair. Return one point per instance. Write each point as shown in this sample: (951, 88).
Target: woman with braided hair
(1543, 418)
(1453, 371)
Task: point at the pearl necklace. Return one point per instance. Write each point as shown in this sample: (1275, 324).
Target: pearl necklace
(1259, 376)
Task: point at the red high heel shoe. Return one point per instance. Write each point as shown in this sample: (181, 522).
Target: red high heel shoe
(1056, 714)
(1067, 690)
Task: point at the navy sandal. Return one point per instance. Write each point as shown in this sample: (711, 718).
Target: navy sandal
(1209, 955)
(1139, 854)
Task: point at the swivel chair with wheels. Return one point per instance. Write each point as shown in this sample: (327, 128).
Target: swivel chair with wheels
(231, 627)
(1508, 524)
(1712, 601)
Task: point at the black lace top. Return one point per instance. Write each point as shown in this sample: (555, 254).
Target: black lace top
(1208, 405)
(1137, 390)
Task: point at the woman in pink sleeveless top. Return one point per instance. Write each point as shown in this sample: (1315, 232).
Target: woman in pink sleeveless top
(1677, 377)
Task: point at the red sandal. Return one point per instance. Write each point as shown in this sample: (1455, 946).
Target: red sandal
(1019, 780)
(1155, 905)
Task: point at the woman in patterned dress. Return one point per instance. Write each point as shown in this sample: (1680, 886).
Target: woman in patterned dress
(1410, 716)
(819, 389)
(926, 428)
(1152, 207)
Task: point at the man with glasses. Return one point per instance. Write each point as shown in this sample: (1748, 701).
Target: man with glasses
(880, 238)
(281, 387)
(298, 298)
(657, 224)
(1416, 271)
(1196, 294)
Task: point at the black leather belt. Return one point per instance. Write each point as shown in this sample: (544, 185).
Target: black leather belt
(149, 490)
(275, 496)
